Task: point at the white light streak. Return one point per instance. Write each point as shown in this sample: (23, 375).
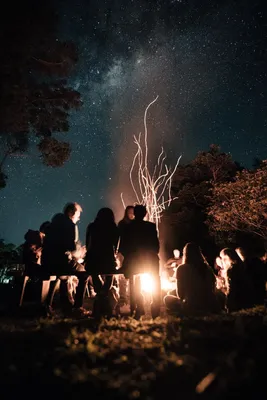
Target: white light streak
(152, 189)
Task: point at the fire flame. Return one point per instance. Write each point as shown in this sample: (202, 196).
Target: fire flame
(148, 284)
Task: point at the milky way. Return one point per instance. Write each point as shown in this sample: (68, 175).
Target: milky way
(206, 63)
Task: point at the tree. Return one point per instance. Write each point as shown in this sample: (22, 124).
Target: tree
(35, 99)
(9, 253)
(215, 165)
(192, 185)
(241, 205)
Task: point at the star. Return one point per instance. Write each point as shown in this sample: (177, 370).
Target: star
(205, 63)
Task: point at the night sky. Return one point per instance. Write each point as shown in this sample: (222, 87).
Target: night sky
(206, 62)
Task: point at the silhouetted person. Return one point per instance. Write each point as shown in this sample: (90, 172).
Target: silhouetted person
(44, 229)
(172, 263)
(169, 270)
(255, 269)
(195, 285)
(32, 250)
(122, 282)
(102, 237)
(241, 253)
(139, 246)
(60, 244)
(127, 218)
(239, 290)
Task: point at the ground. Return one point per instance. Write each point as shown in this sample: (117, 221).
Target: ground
(221, 356)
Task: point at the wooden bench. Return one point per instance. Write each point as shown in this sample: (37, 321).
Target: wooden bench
(44, 288)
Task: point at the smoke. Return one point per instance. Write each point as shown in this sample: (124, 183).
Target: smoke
(176, 71)
(132, 84)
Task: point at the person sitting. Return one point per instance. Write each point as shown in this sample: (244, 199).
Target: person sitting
(256, 272)
(195, 285)
(238, 288)
(173, 262)
(32, 250)
(170, 268)
(44, 228)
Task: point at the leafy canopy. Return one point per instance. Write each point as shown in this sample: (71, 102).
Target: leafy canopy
(35, 98)
(241, 205)
(192, 185)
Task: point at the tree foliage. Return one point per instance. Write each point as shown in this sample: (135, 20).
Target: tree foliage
(53, 152)
(9, 253)
(35, 98)
(241, 205)
(192, 185)
(192, 182)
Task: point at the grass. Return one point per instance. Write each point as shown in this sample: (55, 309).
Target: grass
(222, 356)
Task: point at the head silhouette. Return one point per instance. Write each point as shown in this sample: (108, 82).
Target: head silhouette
(44, 227)
(230, 257)
(73, 211)
(140, 212)
(105, 216)
(192, 254)
(129, 213)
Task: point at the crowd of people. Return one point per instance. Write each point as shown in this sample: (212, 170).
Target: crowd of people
(116, 254)
(132, 246)
(237, 281)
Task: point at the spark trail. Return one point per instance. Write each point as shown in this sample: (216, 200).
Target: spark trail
(152, 189)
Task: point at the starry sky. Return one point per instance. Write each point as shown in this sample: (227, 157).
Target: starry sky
(206, 60)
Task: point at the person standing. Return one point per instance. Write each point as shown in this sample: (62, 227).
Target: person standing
(59, 244)
(127, 219)
(139, 246)
(122, 282)
(102, 237)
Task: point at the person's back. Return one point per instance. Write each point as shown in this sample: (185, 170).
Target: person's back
(32, 252)
(32, 243)
(195, 285)
(142, 236)
(60, 238)
(240, 289)
(196, 288)
(239, 286)
(101, 242)
(140, 245)
(255, 269)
